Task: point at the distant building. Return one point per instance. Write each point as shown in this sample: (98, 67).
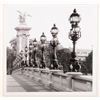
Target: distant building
(81, 54)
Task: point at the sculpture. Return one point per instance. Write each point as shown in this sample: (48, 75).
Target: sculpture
(22, 17)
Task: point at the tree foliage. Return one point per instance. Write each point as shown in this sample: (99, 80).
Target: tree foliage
(63, 56)
(88, 63)
(10, 58)
(86, 66)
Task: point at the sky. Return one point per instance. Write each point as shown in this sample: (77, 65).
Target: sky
(43, 18)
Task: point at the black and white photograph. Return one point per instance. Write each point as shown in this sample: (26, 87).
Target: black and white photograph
(50, 49)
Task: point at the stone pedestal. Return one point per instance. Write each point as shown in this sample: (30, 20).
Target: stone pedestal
(22, 37)
(70, 76)
(74, 73)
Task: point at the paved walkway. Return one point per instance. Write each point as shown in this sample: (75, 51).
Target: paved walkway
(13, 85)
(20, 83)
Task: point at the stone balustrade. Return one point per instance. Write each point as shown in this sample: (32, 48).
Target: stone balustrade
(58, 80)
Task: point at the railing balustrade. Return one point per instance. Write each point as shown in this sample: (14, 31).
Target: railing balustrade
(57, 80)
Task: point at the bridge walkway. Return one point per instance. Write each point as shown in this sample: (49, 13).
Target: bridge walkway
(21, 83)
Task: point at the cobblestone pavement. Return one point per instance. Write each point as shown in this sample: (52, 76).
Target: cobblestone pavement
(20, 83)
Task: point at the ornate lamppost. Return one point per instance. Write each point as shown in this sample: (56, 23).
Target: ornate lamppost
(26, 50)
(74, 35)
(54, 43)
(34, 53)
(22, 59)
(30, 54)
(43, 39)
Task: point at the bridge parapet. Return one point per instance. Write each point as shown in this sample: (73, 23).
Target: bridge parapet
(58, 80)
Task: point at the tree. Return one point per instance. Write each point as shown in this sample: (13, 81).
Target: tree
(64, 58)
(10, 58)
(88, 63)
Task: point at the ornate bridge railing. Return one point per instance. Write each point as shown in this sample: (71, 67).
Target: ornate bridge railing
(57, 80)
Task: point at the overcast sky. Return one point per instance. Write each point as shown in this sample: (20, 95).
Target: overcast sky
(43, 18)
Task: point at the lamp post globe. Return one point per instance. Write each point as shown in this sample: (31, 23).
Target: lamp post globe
(35, 42)
(43, 38)
(54, 31)
(74, 18)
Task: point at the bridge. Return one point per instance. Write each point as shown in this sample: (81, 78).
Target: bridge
(44, 80)
(43, 76)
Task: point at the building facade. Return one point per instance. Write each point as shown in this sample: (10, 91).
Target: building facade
(81, 54)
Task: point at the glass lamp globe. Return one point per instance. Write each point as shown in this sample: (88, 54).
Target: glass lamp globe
(26, 49)
(74, 17)
(43, 38)
(35, 42)
(30, 46)
(76, 29)
(54, 30)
